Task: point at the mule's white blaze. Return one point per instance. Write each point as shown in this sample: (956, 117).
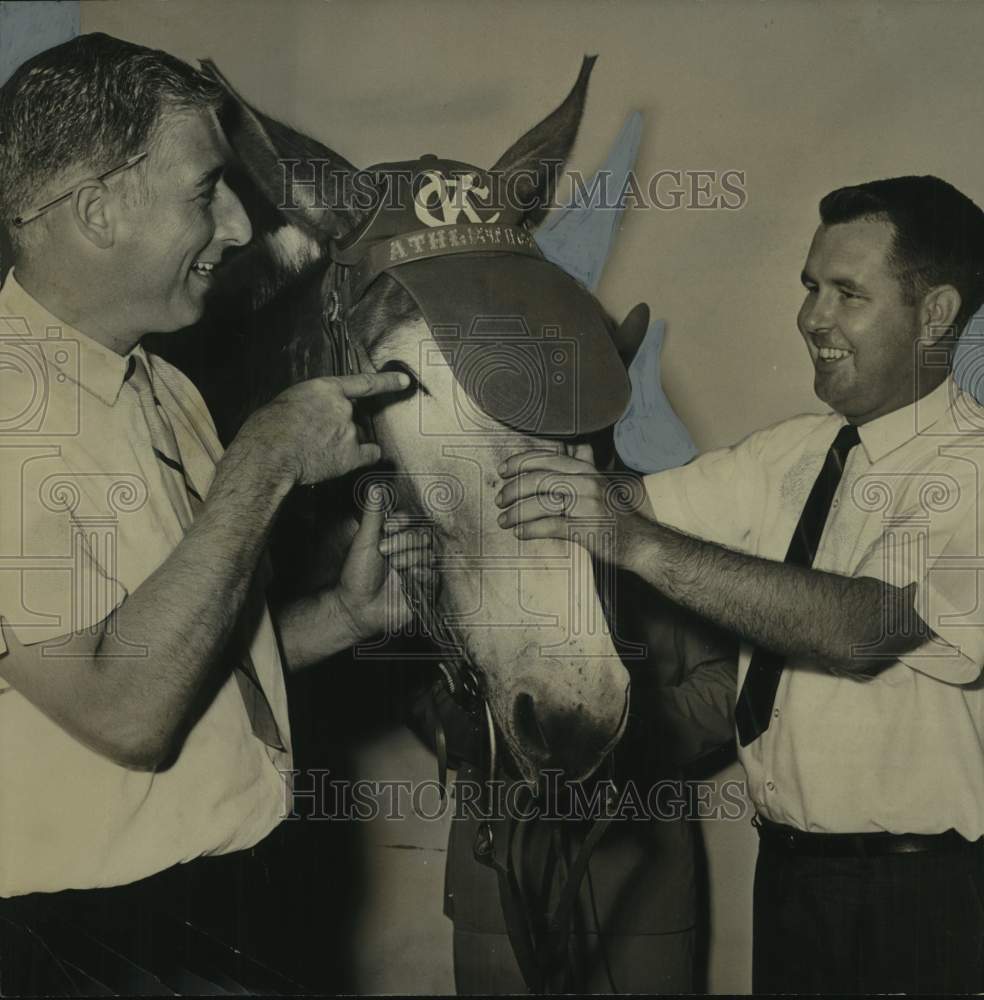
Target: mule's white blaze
(527, 613)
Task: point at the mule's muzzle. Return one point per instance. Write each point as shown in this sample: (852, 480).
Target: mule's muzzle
(572, 742)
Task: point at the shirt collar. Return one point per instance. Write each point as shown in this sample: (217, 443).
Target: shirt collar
(885, 434)
(94, 367)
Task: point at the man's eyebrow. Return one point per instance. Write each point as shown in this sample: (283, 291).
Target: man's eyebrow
(848, 284)
(210, 177)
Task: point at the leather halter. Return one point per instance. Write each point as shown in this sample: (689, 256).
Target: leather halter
(334, 323)
(350, 358)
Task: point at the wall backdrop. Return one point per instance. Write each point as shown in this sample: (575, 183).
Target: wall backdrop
(794, 97)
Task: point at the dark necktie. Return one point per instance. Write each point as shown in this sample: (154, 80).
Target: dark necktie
(753, 711)
(185, 500)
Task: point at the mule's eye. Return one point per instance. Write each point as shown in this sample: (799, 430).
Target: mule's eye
(404, 369)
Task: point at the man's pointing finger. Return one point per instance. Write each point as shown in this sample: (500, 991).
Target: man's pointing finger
(372, 384)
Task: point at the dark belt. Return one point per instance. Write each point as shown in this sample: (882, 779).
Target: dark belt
(788, 840)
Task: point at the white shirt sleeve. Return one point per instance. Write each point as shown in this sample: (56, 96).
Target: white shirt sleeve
(719, 496)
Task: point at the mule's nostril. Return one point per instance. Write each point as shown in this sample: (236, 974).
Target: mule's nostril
(528, 727)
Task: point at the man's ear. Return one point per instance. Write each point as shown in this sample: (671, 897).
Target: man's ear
(94, 214)
(939, 313)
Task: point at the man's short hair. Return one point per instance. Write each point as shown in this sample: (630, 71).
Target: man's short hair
(86, 105)
(939, 234)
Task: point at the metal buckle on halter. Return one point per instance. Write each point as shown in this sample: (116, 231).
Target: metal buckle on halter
(333, 307)
(469, 682)
(333, 313)
(461, 682)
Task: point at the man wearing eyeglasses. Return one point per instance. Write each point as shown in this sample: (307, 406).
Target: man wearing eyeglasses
(143, 719)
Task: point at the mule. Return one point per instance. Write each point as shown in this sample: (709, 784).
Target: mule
(370, 269)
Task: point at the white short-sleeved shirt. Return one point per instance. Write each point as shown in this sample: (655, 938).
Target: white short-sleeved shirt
(84, 520)
(904, 751)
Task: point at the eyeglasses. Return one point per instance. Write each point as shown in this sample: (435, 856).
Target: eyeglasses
(23, 220)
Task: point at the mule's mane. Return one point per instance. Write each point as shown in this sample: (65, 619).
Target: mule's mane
(284, 255)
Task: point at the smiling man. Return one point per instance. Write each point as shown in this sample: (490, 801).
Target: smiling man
(143, 716)
(845, 550)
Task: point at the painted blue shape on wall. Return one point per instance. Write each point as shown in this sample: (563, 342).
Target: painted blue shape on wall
(968, 361)
(650, 437)
(579, 237)
(31, 26)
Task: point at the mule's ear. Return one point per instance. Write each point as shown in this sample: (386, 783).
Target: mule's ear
(304, 179)
(536, 159)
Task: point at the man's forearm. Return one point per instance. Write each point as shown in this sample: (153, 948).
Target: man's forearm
(852, 624)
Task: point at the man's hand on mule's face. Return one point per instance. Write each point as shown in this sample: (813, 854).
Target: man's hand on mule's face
(371, 604)
(309, 431)
(562, 496)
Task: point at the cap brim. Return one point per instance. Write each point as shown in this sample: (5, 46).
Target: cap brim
(530, 347)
